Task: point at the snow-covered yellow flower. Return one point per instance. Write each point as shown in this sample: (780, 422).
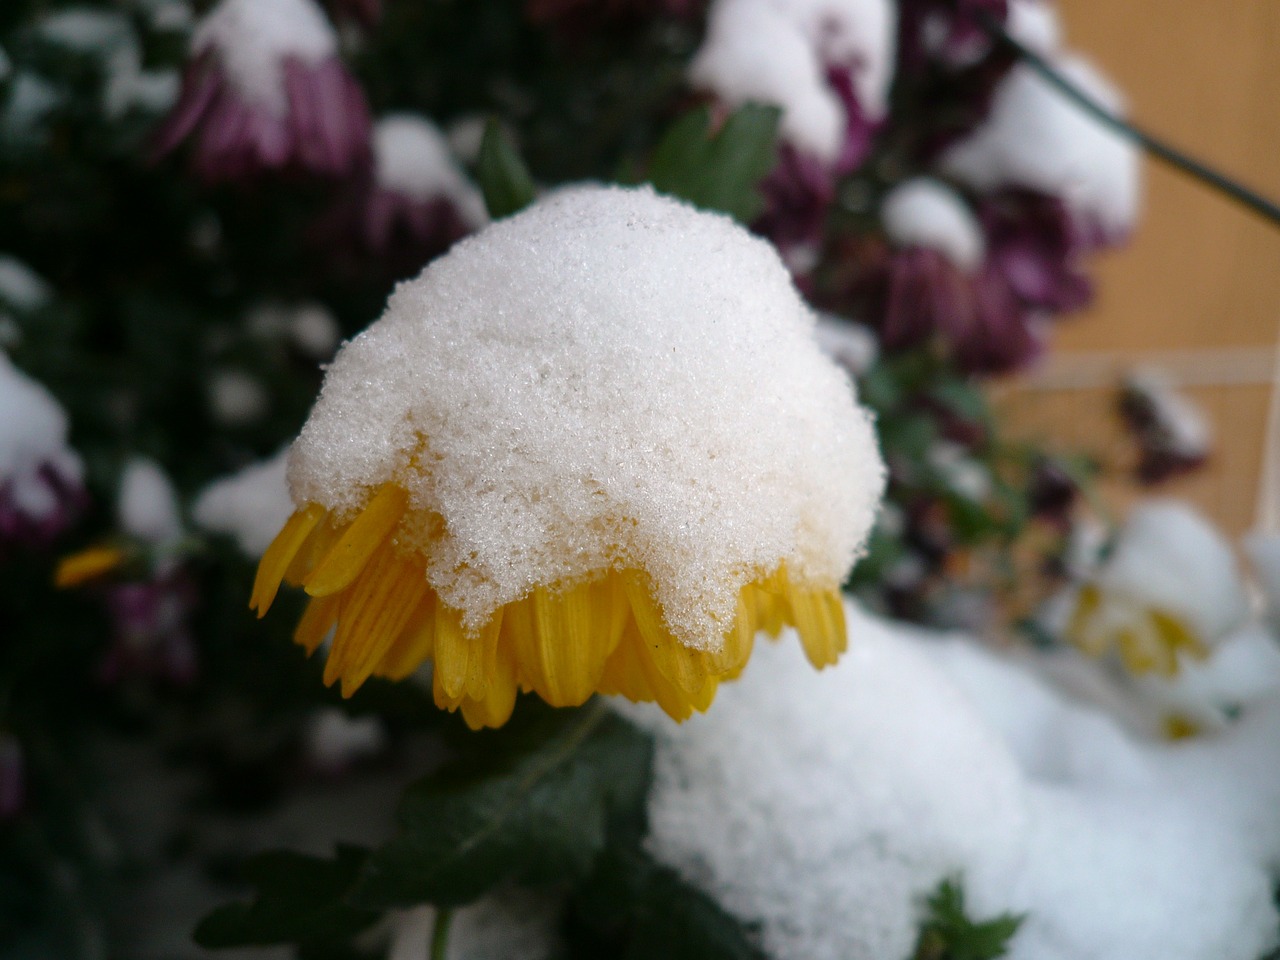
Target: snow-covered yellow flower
(593, 448)
(1170, 589)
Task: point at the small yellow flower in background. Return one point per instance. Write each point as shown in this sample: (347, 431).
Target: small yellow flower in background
(595, 448)
(1170, 589)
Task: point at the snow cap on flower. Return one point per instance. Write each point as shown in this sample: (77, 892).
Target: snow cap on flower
(923, 212)
(1263, 551)
(781, 52)
(1036, 139)
(250, 505)
(1172, 432)
(265, 90)
(608, 409)
(147, 505)
(1170, 585)
(41, 478)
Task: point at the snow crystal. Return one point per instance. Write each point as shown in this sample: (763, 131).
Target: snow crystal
(412, 157)
(147, 506)
(923, 212)
(251, 505)
(778, 52)
(33, 429)
(1169, 558)
(21, 288)
(252, 39)
(579, 388)
(825, 806)
(236, 398)
(1037, 139)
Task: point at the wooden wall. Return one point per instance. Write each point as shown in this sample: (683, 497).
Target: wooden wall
(1198, 289)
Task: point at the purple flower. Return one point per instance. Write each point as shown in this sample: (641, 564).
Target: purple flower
(1172, 433)
(947, 32)
(1036, 244)
(413, 204)
(265, 90)
(41, 478)
(150, 625)
(797, 193)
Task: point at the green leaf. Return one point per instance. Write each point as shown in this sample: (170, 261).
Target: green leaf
(949, 934)
(505, 181)
(532, 804)
(632, 908)
(718, 170)
(299, 900)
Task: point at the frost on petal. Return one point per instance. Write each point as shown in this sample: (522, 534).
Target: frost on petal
(1036, 139)
(576, 389)
(250, 505)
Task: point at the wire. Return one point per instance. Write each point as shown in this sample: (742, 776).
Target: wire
(1250, 199)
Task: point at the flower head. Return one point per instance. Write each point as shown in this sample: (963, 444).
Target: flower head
(41, 478)
(1170, 586)
(593, 448)
(415, 202)
(265, 90)
(1172, 433)
(828, 65)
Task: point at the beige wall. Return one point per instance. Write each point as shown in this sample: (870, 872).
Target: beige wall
(1200, 273)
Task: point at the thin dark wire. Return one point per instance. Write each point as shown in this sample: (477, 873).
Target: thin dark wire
(1250, 199)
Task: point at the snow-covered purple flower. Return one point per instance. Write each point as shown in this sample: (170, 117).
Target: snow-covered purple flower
(1036, 140)
(1037, 247)
(265, 90)
(828, 65)
(414, 203)
(948, 32)
(41, 478)
(1172, 433)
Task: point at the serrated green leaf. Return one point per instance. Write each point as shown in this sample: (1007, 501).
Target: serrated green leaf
(632, 908)
(531, 805)
(505, 181)
(299, 900)
(949, 934)
(718, 170)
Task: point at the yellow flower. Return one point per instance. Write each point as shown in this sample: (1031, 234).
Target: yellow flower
(1170, 589)
(593, 449)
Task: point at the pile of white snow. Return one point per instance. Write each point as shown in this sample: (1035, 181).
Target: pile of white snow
(827, 806)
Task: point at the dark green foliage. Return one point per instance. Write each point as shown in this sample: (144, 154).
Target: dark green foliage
(632, 908)
(502, 175)
(535, 802)
(718, 169)
(949, 933)
(299, 899)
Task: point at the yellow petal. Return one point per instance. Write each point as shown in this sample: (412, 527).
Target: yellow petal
(572, 642)
(320, 616)
(275, 561)
(453, 653)
(414, 645)
(684, 667)
(820, 624)
(87, 565)
(343, 563)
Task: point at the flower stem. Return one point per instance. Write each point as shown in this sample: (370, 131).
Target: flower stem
(440, 935)
(1234, 190)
